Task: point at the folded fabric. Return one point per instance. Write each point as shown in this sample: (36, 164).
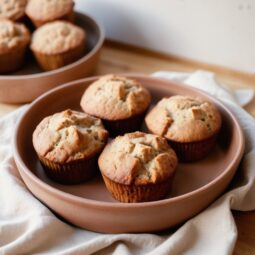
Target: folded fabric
(205, 80)
(28, 227)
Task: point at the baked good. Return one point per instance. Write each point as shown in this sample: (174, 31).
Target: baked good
(14, 39)
(12, 9)
(138, 167)
(190, 124)
(68, 144)
(43, 11)
(57, 44)
(119, 101)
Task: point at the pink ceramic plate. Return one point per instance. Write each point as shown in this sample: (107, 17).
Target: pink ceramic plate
(30, 81)
(90, 206)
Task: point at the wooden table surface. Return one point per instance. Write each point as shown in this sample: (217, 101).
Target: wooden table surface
(118, 58)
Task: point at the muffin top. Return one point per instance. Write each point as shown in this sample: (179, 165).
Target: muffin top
(68, 136)
(184, 119)
(138, 158)
(12, 9)
(12, 35)
(48, 10)
(57, 37)
(114, 98)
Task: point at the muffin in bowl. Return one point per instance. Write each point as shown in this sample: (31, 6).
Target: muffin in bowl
(68, 144)
(138, 167)
(190, 124)
(12, 9)
(14, 40)
(57, 44)
(42, 11)
(119, 101)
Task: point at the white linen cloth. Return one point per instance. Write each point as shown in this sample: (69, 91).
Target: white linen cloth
(28, 227)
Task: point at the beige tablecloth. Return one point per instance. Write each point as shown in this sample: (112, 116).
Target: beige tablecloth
(28, 227)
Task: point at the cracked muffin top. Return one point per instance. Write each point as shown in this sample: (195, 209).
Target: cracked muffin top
(184, 119)
(12, 9)
(114, 98)
(138, 158)
(12, 35)
(48, 10)
(68, 136)
(57, 37)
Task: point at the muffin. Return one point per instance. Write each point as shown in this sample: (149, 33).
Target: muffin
(12, 9)
(14, 39)
(42, 11)
(190, 124)
(68, 145)
(138, 167)
(120, 102)
(57, 44)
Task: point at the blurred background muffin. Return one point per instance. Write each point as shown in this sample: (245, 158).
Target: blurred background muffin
(14, 39)
(119, 101)
(12, 9)
(42, 11)
(57, 44)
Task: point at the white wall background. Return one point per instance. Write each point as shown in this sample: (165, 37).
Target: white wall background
(220, 32)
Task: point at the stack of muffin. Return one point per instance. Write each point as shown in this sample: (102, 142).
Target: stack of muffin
(55, 41)
(136, 166)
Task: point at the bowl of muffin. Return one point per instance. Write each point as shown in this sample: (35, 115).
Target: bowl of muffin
(137, 148)
(44, 44)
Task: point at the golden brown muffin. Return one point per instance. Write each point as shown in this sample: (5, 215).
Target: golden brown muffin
(119, 101)
(14, 39)
(44, 11)
(138, 167)
(190, 124)
(12, 9)
(57, 44)
(68, 145)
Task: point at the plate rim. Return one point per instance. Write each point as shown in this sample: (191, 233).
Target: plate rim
(103, 204)
(97, 46)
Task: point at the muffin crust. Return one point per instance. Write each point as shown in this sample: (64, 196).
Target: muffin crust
(57, 37)
(114, 97)
(12, 36)
(69, 136)
(138, 158)
(48, 10)
(184, 119)
(12, 9)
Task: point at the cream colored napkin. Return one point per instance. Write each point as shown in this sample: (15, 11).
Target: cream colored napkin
(28, 227)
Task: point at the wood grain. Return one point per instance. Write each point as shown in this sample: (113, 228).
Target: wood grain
(119, 58)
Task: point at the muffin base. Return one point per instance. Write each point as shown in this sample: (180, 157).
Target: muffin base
(50, 62)
(70, 173)
(193, 151)
(13, 60)
(138, 193)
(121, 127)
